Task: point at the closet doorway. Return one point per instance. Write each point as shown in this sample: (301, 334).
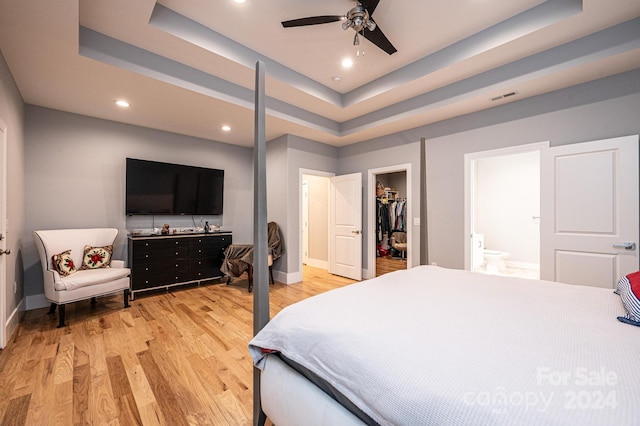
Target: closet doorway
(389, 225)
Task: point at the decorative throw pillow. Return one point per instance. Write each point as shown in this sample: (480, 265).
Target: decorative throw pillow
(96, 257)
(629, 291)
(63, 262)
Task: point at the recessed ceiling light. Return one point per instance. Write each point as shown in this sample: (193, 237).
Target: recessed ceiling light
(240, 1)
(347, 63)
(336, 78)
(226, 128)
(122, 103)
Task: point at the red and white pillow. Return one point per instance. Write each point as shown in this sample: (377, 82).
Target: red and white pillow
(96, 257)
(64, 264)
(629, 291)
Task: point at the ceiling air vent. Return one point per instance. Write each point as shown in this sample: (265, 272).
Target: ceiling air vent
(506, 95)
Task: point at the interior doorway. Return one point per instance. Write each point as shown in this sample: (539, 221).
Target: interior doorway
(314, 219)
(503, 211)
(395, 193)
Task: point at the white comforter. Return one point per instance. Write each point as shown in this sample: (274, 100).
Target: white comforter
(433, 346)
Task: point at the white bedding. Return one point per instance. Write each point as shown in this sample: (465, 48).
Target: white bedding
(434, 346)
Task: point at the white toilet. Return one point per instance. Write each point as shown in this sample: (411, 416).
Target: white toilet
(494, 261)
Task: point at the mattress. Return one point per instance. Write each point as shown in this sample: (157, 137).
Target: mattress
(432, 345)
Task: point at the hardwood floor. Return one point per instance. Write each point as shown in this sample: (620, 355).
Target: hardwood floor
(172, 358)
(386, 264)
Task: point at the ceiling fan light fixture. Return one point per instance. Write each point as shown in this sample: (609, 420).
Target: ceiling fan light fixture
(356, 40)
(371, 25)
(347, 24)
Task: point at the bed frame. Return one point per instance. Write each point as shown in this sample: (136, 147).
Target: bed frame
(292, 407)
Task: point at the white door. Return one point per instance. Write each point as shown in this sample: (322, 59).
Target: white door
(345, 226)
(589, 212)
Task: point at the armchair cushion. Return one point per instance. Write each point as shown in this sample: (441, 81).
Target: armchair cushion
(88, 277)
(96, 257)
(63, 263)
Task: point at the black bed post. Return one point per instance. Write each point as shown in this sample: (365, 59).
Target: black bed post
(424, 247)
(260, 265)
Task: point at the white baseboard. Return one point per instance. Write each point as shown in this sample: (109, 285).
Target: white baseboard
(317, 263)
(287, 278)
(12, 322)
(36, 301)
(522, 265)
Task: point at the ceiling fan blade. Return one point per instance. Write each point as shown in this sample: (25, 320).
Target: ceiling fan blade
(379, 39)
(370, 5)
(312, 20)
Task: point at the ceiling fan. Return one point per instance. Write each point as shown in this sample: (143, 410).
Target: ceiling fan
(358, 18)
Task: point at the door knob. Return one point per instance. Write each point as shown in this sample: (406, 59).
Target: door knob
(4, 252)
(626, 246)
(355, 232)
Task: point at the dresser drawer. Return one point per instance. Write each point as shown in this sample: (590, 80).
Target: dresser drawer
(145, 254)
(167, 266)
(141, 281)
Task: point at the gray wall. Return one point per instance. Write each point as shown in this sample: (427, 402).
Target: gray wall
(75, 176)
(285, 157)
(445, 160)
(12, 116)
(74, 166)
(357, 158)
(600, 109)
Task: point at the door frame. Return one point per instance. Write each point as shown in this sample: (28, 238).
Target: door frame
(469, 182)
(302, 172)
(3, 230)
(371, 212)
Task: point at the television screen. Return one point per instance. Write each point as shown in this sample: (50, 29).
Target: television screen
(155, 188)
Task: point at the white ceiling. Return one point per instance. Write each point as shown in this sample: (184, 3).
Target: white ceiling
(187, 66)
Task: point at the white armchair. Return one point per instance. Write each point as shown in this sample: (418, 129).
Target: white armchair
(81, 284)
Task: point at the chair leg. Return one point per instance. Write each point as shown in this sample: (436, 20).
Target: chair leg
(61, 312)
(126, 298)
(250, 278)
(271, 275)
(52, 309)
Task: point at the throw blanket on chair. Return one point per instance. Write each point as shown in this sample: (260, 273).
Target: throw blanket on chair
(238, 258)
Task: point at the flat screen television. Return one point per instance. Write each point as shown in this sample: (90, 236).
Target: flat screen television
(155, 188)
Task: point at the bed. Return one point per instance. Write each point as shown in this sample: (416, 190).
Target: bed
(435, 346)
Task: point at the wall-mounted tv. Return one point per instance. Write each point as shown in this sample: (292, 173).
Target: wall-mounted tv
(155, 188)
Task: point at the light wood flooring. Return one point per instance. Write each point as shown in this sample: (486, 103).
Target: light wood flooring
(172, 358)
(386, 264)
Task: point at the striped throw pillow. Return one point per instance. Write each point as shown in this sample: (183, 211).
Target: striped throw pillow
(629, 290)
